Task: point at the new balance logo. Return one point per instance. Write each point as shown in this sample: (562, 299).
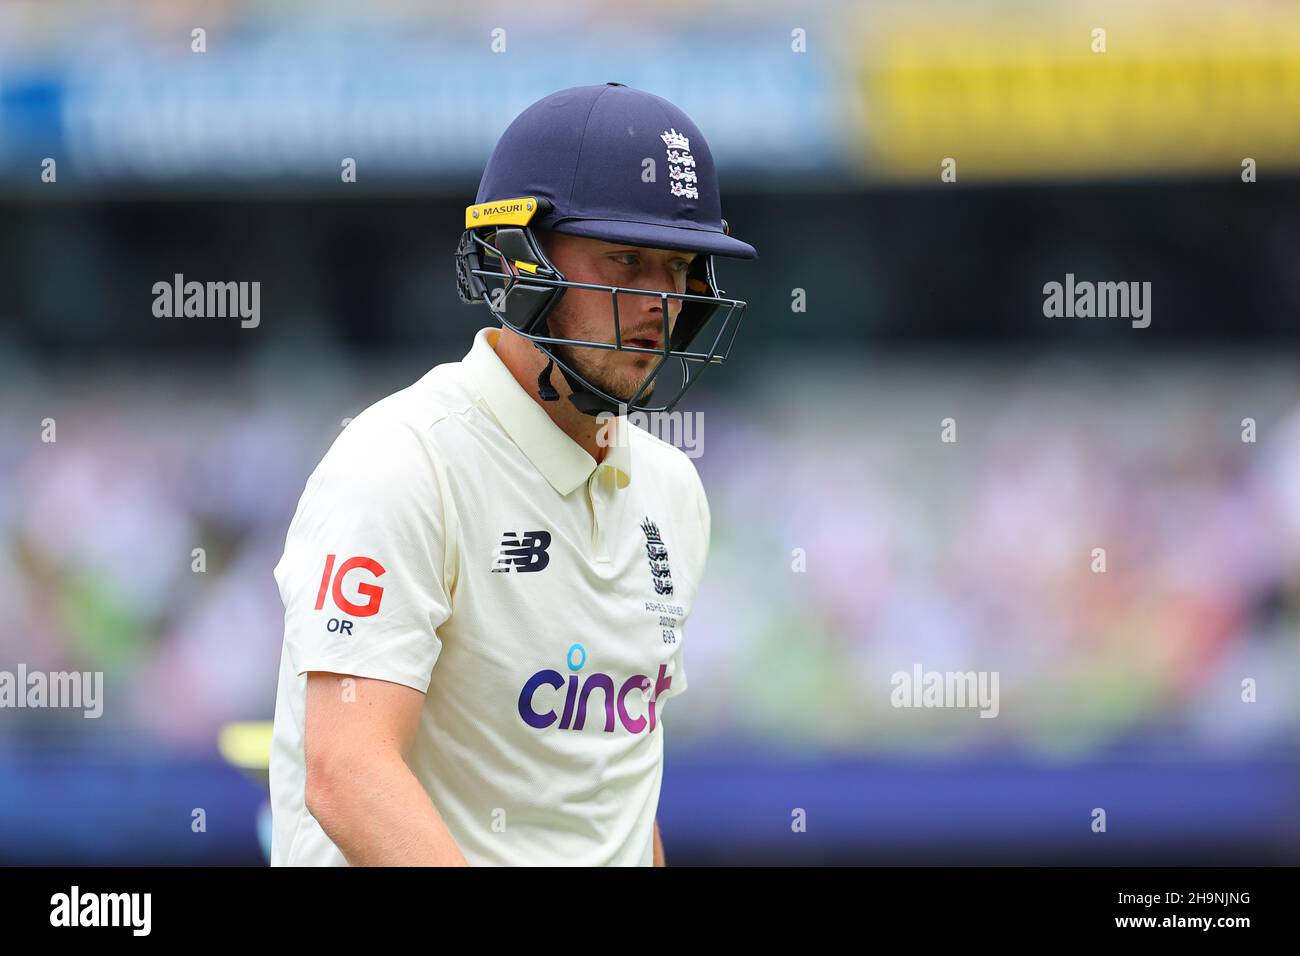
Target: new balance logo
(523, 552)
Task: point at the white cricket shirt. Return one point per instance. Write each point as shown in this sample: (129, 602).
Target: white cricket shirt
(456, 541)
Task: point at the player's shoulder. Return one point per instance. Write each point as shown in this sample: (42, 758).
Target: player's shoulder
(394, 440)
(418, 408)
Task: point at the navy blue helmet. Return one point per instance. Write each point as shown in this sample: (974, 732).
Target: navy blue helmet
(572, 163)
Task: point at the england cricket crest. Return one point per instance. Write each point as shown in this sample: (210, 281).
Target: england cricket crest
(681, 165)
(658, 555)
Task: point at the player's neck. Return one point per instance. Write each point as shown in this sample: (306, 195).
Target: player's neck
(525, 363)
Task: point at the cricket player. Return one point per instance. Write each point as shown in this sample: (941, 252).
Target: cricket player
(488, 576)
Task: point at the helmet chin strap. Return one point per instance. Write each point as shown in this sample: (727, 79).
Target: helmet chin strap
(583, 399)
(545, 390)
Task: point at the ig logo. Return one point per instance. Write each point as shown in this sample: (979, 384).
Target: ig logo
(373, 593)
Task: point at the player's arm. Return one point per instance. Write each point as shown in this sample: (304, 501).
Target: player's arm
(366, 579)
(359, 788)
(659, 847)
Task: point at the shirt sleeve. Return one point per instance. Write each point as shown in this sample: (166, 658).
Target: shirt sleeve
(368, 568)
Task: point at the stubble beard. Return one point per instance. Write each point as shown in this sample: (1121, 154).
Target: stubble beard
(621, 383)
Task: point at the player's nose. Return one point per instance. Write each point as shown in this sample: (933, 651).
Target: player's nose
(663, 278)
(654, 304)
(652, 308)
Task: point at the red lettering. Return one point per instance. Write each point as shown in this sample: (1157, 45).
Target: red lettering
(373, 592)
(324, 581)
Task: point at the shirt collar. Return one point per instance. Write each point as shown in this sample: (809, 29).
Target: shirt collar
(561, 460)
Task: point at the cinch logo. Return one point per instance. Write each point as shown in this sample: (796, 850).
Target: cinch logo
(372, 592)
(526, 552)
(576, 699)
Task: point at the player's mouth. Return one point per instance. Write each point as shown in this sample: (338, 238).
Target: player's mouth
(643, 342)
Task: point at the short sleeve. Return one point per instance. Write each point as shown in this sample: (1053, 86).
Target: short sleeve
(367, 571)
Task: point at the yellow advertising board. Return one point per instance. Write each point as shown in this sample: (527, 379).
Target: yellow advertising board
(1016, 90)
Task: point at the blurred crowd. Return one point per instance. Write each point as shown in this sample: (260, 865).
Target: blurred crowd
(850, 542)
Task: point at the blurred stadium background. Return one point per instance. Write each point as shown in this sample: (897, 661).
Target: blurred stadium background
(924, 300)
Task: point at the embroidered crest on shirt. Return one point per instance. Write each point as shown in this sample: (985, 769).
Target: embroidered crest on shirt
(658, 556)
